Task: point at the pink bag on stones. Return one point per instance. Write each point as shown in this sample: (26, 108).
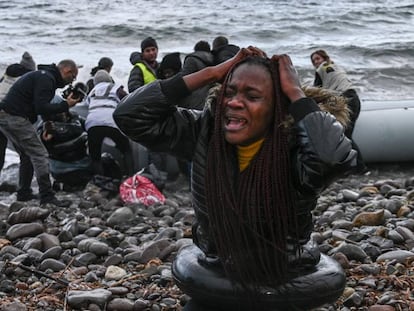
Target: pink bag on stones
(139, 189)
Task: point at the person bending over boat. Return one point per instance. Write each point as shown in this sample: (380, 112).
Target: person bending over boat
(262, 153)
(101, 102)
(330, 76)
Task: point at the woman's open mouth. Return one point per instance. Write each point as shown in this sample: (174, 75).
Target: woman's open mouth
(234, 123)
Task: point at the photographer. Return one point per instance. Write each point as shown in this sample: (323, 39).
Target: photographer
(28, 98)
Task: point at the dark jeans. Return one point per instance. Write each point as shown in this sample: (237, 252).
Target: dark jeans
(33, 155)
(96, 135)
(3, 146)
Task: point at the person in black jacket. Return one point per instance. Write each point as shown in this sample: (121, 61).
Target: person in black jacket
(193, 62)
(28, 98)
(66, 140)
(261, 154)
(222, 50)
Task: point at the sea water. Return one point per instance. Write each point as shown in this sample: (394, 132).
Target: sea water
(373, 40)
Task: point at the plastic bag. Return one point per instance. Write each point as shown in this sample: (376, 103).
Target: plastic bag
(139, 189)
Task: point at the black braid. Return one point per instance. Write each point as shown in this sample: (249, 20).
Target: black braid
(250, 215)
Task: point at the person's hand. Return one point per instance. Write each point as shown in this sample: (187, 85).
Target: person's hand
(289, 79)
(212, 74)
(223, 68)
(72, 101)
(46, 136)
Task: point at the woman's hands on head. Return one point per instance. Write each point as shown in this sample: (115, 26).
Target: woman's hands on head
(217, 73)
(223, 68)
(289, 79)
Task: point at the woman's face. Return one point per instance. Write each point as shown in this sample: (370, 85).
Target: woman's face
(317, 60)
(248, 105)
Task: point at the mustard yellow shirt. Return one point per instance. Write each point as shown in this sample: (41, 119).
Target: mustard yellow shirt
(245, 154)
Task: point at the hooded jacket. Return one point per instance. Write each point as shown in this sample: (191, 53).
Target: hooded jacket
(136, 77)
(12, 74)
(30, 96)
(224, 52)
(320, 152)
(196, 61)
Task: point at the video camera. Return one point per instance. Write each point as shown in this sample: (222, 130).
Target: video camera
(79, 90)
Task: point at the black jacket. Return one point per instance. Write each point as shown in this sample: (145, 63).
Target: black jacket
(224, 52)
(30, 96)
(194, 62)
(16, 70)
(320, 151)
(69, 141)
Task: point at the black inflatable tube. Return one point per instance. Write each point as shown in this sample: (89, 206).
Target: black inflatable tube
(323, 285)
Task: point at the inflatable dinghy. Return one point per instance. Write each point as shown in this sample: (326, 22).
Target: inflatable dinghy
(384, 131)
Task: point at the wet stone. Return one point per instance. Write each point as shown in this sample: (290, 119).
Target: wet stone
(77, 299)
(24, 230)
(52, 264)
(120, 304)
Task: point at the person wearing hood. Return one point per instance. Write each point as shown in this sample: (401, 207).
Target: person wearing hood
(145, 65)
(29, 97)
(12, 74)
(170, 65)
(193, 62)
(222, 50)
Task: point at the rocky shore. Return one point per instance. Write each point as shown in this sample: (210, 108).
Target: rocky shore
(101, 254)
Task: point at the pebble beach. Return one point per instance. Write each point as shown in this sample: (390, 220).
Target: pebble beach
(102, 254)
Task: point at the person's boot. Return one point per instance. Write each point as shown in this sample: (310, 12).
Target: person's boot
(24, 197)
(55, 201)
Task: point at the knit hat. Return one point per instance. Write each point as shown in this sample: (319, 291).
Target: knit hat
(148, 42)
(27, 61)
(101, 76)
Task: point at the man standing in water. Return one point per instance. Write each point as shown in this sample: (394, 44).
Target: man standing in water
(29, 97)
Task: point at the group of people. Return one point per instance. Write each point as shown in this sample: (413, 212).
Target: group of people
(104, 95)
(261, 148)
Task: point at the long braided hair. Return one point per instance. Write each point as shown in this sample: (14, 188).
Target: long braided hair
(251, 213)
